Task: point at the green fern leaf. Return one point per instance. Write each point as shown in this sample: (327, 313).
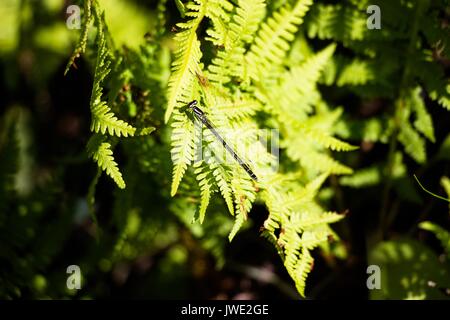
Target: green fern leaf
(101, 152)
(300, 81)
(337, 22)
(321, 162)
(103, 120)
(305, 221)
(239, 221)
(423, 122)
(242, 28)
(355, 73)
(182, 149)
(301, 270)
(272, 41)
(413, 143)
(222, 176)
(325, 140)
(187, 59)
(440, 233)
(204, 179)
(218, 12)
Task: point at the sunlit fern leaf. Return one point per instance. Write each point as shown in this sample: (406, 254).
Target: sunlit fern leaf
(445, 182)
(357, 72)
(301, 270)
(240, 108)
(242, 28)
(205, 183)
(306, 221)
(187, 59)
(440, 233)
(413, 143)
(247, 18)
(322, 163)
(244, 195)
(222, 177)
(423, 122)
(313, 238)
(325, 140)
(218, 12)
(103, 120)
(272, 42)
(182, 148)
(300, 81)
(314, 185)
(336, 22)
(100, 150)
(239, 221)
(371, 130)
(366, 177)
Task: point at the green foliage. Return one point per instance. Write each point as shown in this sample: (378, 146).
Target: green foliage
(265, 55)
(442, 234)
(103, 119)
(353, 112)
(409, 270)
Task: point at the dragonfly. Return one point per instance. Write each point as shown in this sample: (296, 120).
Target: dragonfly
(201, 116)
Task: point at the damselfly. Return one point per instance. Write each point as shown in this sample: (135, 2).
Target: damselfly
(200, 115)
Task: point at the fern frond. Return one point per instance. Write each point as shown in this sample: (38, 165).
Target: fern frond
(300, 81)
(301, 270)
(325, 140)
(272, 42)
(239, 109)
(187, 59)
(445, 182)
(244, 195)
(239, 221)
(337, 22)
(101, 151)
(103, 120)
(218, 12)
(242, 28)
(318, 161)
(423, 122)
(307, 220)
(204, 180)
(182, 148)
(440, 233)
(362, 178)
(413, 143)
(355, 73)
(222, 176)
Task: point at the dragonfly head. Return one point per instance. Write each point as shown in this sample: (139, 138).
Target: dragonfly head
(193, 106)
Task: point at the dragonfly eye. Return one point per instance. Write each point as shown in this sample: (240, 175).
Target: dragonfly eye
(192, 104)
